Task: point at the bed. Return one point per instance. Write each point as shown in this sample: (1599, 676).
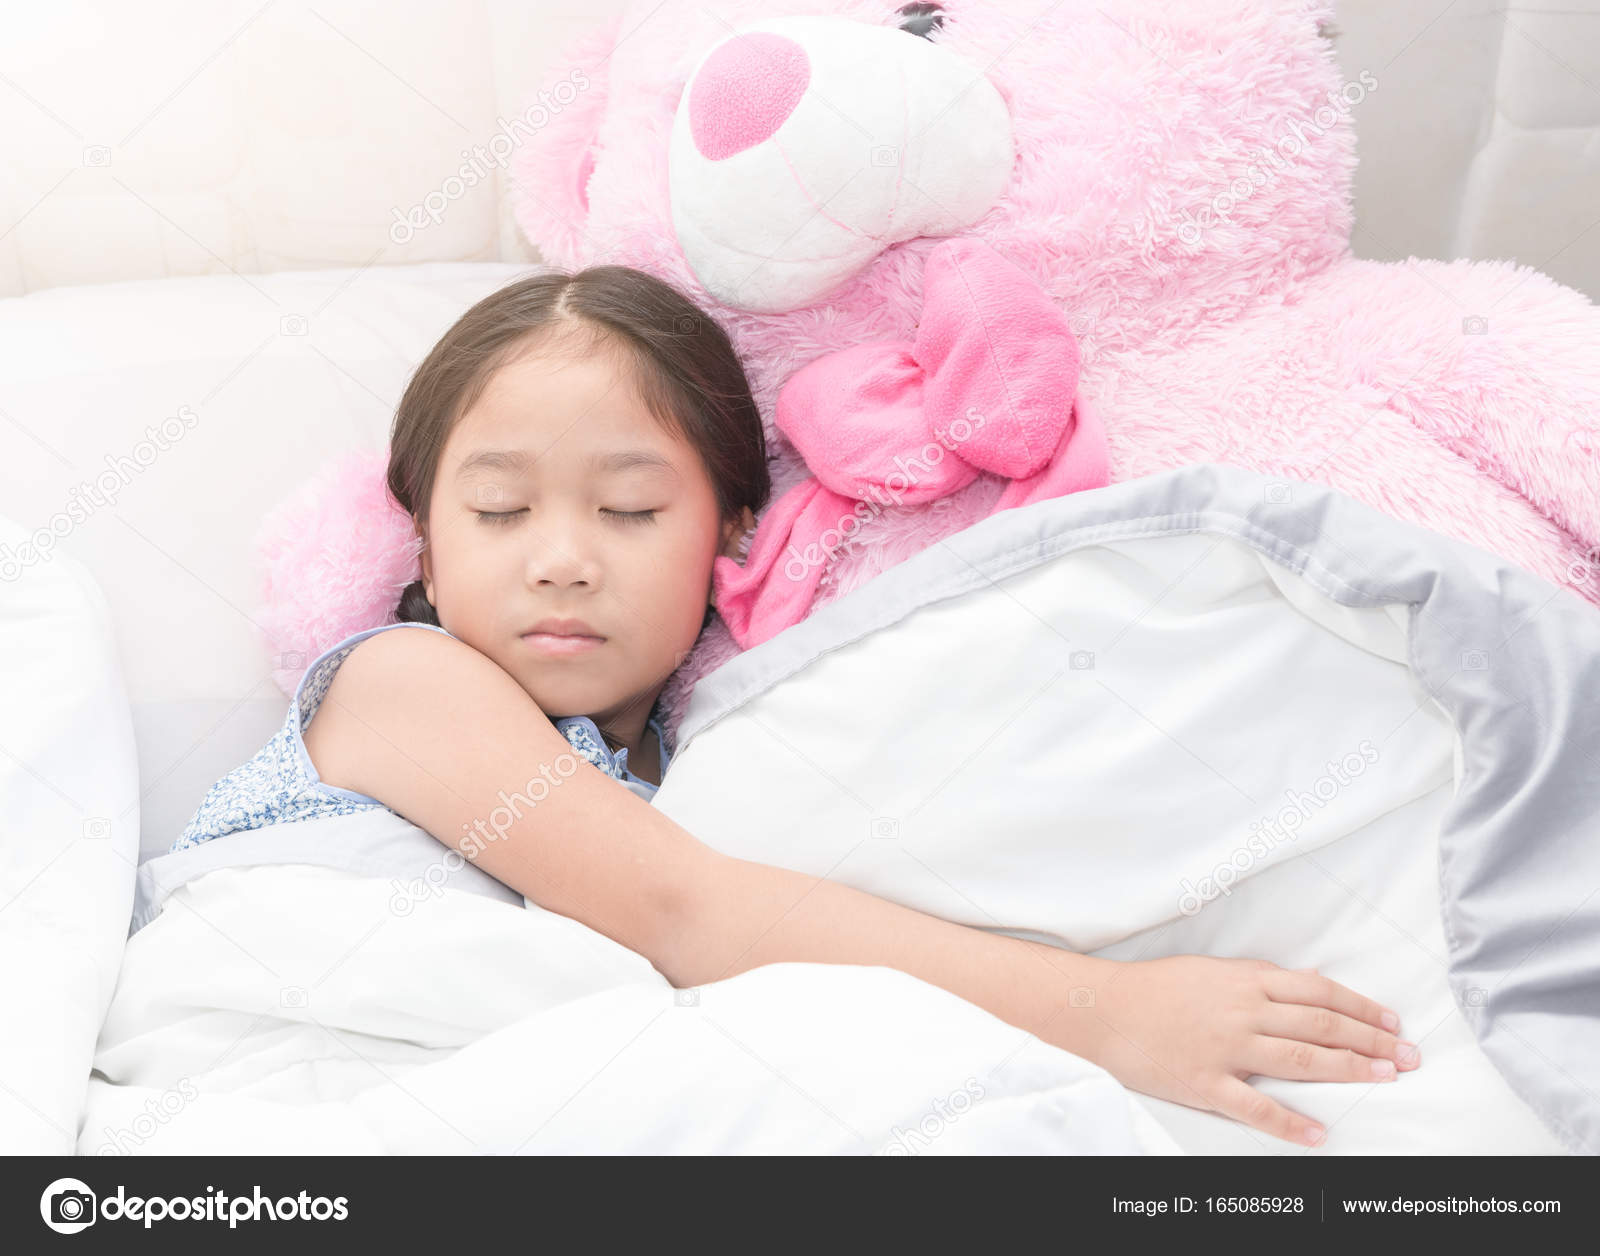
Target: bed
(1150, 668)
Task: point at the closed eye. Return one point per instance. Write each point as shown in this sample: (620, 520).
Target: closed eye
(630, 516)
(496, 517)
(499, 518)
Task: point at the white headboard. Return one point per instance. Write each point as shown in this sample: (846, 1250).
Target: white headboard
(1482, 139)
(181, 137)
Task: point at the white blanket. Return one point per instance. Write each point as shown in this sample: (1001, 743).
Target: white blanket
(291, 1009)
(1138, 738)
(1069, 752)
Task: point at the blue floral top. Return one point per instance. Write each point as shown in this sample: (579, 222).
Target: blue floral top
(280, 784)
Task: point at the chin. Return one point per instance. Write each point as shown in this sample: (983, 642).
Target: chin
(558, 700)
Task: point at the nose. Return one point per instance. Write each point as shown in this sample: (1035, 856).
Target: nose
(559, 558)
(745, 91)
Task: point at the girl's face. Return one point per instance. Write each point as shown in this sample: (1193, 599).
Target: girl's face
(560, 497)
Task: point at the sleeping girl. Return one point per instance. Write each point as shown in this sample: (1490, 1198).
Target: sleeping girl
(575, 453)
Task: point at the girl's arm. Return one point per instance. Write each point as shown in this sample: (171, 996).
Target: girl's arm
(439, 733)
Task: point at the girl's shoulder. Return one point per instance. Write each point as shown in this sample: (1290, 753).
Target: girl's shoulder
(318, 676)
(281, 783)
(324, 748)
(580, 731)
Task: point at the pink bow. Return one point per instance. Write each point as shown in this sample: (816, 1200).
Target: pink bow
(988, 385)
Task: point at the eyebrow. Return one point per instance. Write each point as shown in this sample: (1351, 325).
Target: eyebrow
(493, 460)
(517, 460)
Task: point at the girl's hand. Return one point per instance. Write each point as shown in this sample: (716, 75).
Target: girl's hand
(1191, 1028)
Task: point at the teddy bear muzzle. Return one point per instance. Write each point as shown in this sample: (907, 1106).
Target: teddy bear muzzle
(803, 147)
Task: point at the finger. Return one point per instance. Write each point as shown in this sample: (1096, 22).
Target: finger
(1288, 986)
(1327, 1028)
(1244, 1103)
(1300, 1061)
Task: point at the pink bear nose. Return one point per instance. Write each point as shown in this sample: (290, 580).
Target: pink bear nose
(745, 91)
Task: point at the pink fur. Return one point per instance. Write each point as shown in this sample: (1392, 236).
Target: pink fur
(549, 182)
(1261, 342)
(335, 558)
(987, 385)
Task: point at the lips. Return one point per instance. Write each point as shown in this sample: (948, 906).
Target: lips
(563, 628)
(562, 638)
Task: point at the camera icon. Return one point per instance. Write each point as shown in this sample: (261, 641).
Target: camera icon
(71, 1207)
(1474, 325)
(97, 828)
(1080, 996)
(293, 996)
(1081, 660)
(1476, 996)
(291, 660)
(686, 998)
(685, 325)
(293, 325)
(489, 494)
(885, 155)
(886, 827)
(1474, 660)
(1277, 494)
(67, 1206)
(97, 155)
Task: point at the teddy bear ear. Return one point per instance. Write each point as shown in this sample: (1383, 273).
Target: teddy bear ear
(550, 170)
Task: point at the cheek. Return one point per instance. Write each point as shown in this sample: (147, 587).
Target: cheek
(678, 572)
(456, 564)
(470, 569)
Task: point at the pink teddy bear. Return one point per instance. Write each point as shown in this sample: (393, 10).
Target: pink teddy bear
(1176, 176)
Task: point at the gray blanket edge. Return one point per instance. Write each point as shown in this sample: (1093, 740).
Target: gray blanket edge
(1513, 660)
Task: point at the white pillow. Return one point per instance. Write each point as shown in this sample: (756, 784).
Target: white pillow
(250, 382)
(69, 795)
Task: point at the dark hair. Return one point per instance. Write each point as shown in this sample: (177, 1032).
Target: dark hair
(688, 375)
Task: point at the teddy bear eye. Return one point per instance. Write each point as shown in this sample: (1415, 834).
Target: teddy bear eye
(921, 19)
